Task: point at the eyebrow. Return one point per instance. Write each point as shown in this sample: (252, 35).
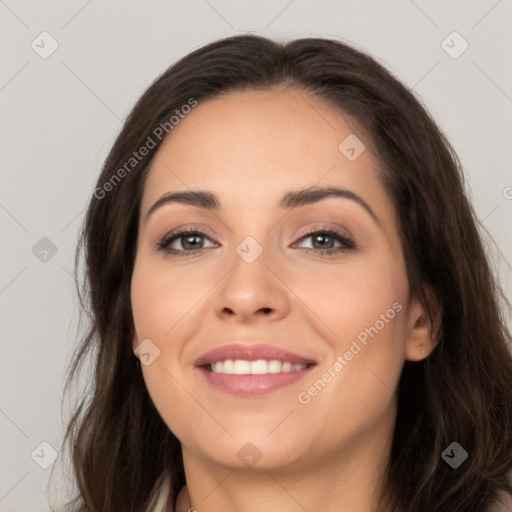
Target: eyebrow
(291, 199)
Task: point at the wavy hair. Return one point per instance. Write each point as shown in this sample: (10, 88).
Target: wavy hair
(125, 458)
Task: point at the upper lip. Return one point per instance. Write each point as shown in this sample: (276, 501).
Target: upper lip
(251, 353)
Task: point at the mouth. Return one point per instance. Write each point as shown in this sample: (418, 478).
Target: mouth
(252, 369)
(257, 367)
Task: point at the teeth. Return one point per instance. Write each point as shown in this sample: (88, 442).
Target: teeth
(229, 367)
(287, 367)
(258, 367)
(274, 366)
(242, 367)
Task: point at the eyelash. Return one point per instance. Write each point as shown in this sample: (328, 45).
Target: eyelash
(348, 244)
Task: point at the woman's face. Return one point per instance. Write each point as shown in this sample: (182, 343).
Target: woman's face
(316, 326)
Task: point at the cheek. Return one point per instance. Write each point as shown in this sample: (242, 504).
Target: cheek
(355, 389)
(377, 321)
(163, 312)
(173, 403)
(163, 302)
(363, 296)
(363, 317)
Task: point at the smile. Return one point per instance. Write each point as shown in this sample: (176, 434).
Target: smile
(258, 367)
(247, 370)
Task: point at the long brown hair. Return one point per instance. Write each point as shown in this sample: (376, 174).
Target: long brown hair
(121, 448)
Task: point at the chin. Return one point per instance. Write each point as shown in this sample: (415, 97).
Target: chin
(253, 452)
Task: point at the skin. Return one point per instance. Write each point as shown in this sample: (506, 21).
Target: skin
(249, 148)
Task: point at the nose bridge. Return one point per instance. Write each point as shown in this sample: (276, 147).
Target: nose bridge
(251, 259)
(251, 250)
(251, 232)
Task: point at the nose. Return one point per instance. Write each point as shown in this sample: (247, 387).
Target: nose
(252, 290)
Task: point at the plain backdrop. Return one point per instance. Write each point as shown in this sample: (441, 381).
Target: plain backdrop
(62, 111)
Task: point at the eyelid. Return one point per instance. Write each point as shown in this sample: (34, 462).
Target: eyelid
(200, 228)
(323, 226)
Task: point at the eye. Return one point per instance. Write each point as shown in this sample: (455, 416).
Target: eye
(324, 239)
(188, 239)
(190, 242)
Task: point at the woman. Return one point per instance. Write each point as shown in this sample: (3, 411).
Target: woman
(280, 234)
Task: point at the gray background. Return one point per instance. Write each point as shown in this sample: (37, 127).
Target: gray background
(61, 114)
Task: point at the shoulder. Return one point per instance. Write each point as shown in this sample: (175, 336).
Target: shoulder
(162, 497)
(503, 503)
(181, 500)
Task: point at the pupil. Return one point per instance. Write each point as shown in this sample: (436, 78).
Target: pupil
(319, 237)
(191, 237)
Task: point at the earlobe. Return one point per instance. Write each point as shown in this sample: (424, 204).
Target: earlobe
(422, 337)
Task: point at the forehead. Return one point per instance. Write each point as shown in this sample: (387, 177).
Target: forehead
(251, 146)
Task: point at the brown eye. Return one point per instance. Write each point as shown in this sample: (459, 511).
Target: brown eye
(323, 241)
(188, 242)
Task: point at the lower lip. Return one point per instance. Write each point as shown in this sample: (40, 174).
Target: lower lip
(252, 384)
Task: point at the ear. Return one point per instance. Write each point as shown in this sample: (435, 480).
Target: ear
(422, 336)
